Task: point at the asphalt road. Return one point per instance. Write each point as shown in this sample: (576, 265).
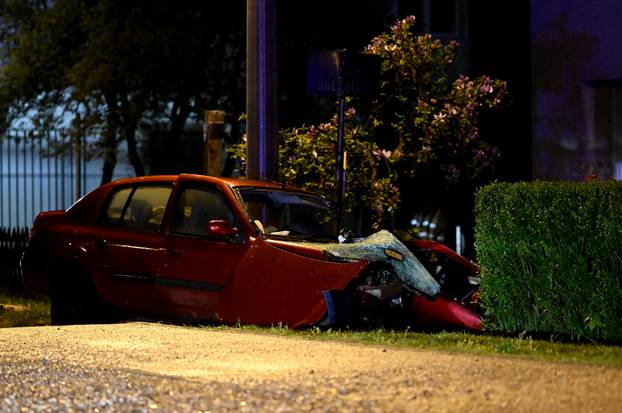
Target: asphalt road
(143, 367)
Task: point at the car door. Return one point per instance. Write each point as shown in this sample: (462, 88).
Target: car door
(129, 246)
(198, 265)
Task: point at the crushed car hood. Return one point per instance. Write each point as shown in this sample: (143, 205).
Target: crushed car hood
(383, 246)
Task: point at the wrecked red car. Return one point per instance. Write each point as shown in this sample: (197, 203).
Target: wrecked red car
(194, 247)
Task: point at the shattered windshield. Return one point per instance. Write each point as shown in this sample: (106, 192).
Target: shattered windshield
(281, 213)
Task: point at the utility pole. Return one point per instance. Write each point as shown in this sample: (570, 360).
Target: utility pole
(261, 90)
(341, 158)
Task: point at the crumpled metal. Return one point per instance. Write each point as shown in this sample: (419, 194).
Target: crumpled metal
(383, 246)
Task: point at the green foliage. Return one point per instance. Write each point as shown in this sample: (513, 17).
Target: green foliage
(116, 68)
(550, 260)
(307, 159)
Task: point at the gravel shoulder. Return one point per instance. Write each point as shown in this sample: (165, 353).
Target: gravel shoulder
(142, 367)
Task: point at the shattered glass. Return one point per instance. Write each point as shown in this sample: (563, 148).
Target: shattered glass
(383, 246)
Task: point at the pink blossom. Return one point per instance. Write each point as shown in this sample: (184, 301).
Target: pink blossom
(440, 116)
(479, 153)
(324, 127)
(383, 153)
(471, 106)
(486, 88)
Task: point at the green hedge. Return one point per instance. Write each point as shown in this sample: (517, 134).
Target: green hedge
(550, 255)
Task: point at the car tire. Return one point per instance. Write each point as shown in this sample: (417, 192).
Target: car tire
(382, 314)
(75, 299)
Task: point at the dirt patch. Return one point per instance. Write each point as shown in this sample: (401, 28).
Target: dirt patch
(189, 369)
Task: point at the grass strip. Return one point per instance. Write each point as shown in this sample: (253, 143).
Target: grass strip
(17, 310)
(523, 345)
(21, 310)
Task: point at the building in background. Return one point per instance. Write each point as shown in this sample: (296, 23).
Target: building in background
(563, 63)
(577, 90)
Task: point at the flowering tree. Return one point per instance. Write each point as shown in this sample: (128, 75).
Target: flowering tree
(429, 121)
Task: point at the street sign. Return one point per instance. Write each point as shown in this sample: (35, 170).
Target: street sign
(340, 72)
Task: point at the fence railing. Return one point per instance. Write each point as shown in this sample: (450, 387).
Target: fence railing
(38, 171)
(12, 244)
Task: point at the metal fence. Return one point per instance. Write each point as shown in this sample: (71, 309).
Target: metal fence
(42, 172)
(12, 244)
(38, 172)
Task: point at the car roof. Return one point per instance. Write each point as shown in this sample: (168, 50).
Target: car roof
(233, 182)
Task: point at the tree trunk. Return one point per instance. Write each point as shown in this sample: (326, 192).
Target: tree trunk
(110, 154)
(179, 114)
(110, 139)
(132, 152)
(130, 124)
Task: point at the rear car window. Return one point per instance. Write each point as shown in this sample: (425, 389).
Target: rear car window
(139, 207)
(116, 205)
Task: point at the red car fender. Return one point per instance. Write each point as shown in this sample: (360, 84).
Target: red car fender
(424, 244)
(47, 248)
(443, 311)
(271, 285)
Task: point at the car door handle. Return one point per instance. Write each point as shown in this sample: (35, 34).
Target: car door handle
(172, 251)
(101, 243)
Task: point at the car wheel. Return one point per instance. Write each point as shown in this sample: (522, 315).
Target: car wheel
(386, 311)
(74, 298)
(362, 306)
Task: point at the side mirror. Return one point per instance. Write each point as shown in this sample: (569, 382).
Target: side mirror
(259, 226)
(221, 229)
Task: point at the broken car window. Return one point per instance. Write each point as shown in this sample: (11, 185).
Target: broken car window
(283, 213)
